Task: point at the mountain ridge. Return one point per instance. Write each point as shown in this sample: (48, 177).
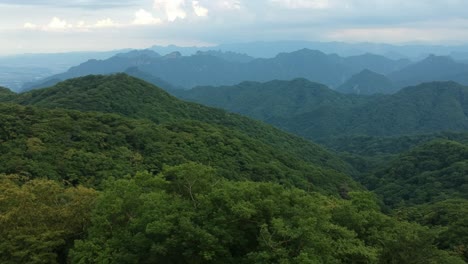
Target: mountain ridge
(426, 108)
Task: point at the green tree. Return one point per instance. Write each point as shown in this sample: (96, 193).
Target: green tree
(40, 219)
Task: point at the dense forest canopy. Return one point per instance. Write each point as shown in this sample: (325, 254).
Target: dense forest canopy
(316, 112)
(111, 169)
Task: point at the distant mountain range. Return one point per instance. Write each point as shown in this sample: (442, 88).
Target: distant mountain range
(269, 49)
(314, 111)
(216, 68)
(365, 74)
(237, 52)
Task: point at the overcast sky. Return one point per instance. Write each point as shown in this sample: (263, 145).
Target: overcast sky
(70, 25)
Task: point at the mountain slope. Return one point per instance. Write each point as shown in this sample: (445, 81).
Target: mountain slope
(377, 63)
(315, 112)
(137, 73)
(433, 68)
(5, 92)
(264, 101)
(135, 98)
(88, 148)
(367, 83)
(432, 172)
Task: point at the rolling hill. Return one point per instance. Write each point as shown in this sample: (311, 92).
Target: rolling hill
(5, 92)
(316, 112)
(367, 83)
(130, 97)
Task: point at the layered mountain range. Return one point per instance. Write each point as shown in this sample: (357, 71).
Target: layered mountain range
(363, 74)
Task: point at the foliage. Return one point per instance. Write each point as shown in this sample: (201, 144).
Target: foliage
(188, 215)
(433, 172)
(87, 148)
(128, 96)
(5, 93)
(449, 216)
(40, 219)
(316, 112)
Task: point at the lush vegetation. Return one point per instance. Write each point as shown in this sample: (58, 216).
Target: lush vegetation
(188, 215)
(87, 148)
(5, 92)
(432, 172)
(110, 169)
(128, 96)
(40, 219)
(429, 185)
(316, 112)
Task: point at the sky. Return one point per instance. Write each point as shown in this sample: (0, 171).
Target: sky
(31, 26)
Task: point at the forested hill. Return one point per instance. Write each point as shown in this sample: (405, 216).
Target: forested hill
(429, 185)
(316, 112)
(432, 172)
(5, 91)
(270, 100)
(88, 148)
(131, 97)
(367, 83)
(119, 171)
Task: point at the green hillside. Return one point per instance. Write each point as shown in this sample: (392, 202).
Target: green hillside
(315, 112)
(429, 185)
(367, 83)
(131, 97)
(111, 169)
(432, 172)
(87, 148)
(275, 99)
(5, 92)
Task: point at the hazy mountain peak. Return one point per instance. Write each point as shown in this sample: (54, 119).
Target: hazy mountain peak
(303, 52)
(367, 82)
(438, 59)
(139, 53)
(173, 55)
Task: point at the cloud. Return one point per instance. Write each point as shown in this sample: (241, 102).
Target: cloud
(173, 9)
(105, 23)
(143, 17)
(29, 25)
(199, 10)
(57, 24)
(232, 4)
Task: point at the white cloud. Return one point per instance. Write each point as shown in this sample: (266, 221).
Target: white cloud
(199, 10)
(30, 26)
(105, 23)
(232, 4)
(173, 9)
(143, 17)
(57, 24)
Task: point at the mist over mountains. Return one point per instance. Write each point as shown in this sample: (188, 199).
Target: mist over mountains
(360, 74)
